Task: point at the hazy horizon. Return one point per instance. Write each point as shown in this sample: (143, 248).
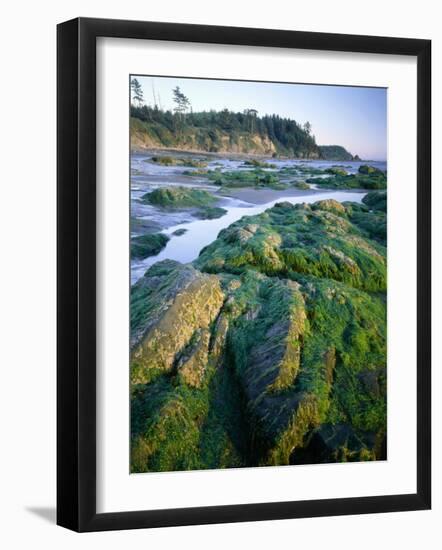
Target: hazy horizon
(354, 117)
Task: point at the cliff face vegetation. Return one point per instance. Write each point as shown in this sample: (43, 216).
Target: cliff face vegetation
(270, 349)
(336, 152)
(227, 132)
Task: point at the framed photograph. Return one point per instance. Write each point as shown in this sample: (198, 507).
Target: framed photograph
(243, 274)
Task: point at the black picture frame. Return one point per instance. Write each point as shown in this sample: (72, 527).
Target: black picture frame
(76, 274)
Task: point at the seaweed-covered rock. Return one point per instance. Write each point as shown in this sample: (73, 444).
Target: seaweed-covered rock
(376, 200)
(366, 178)
(259, 164)
(266, 329)
(192, 363)
(338, 443)
(270, 349)
(372, 222)
(177, 161)
(168, 305)
(318, 240)
(330, 205)
(336, 171)
(147, 245)
(302, 185)
(302, 352)
(370, 170)
(246, 178)
(178, 197)
(210, 212)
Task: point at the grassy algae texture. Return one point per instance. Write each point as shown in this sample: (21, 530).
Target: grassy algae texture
(270, 349)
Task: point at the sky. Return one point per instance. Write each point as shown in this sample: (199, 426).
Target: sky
(351, 116)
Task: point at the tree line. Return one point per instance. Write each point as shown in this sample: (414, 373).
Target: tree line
(284, 132)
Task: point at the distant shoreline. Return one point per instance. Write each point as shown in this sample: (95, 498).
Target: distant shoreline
(235, 155)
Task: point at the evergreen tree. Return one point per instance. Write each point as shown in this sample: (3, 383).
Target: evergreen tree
(307, 127)
(137, 92)
(182, 103)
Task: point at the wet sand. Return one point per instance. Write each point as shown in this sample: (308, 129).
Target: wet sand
(263, 196)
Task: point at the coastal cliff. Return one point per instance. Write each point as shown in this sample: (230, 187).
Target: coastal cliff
(228, 132)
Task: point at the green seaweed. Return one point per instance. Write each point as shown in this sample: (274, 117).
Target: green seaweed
(246, 178)
(169, 160)
(294, 370)
(147, 245)
(178, 197)
(210, 212)
(301, 185)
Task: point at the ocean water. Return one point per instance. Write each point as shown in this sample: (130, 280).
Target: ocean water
(199, 233)
(146, 176)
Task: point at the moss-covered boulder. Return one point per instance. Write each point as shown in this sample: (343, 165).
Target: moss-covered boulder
(303, 352)
(186, 410)
(246, 178)
(302, 185)
(376, 200)
(339, 443)
(259, 163)
(147, 245)
(267, 324)
(168, 305)
(336, 171)
(269, 350)
(210, 212)
(330, 205)
(367, 178)
(178, 197)
(289, 240)
(167, 160)
(192, 363)
(370, 170)
(196, 172)
(372, 222)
